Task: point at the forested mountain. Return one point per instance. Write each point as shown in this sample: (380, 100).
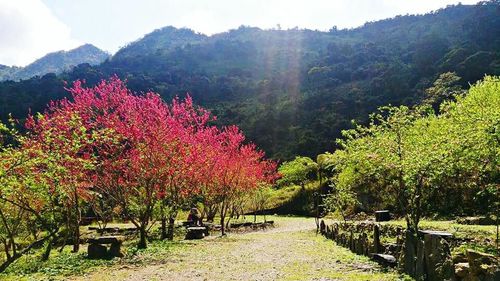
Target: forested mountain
(56, 62)
(293, 91)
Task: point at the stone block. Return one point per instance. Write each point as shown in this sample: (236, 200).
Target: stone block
(376, 239)
(462, 270)
(106, 240)
(382, 215)
(438, 263)
(195, 233)
(483, 266)
(115, 250)
(97, 251)
(385, 260)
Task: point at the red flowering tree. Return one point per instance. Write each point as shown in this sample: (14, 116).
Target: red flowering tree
(148, 159)
(141, 154)
(236, 168)
(184, 173)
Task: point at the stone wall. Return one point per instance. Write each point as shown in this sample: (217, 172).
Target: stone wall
(424, 256)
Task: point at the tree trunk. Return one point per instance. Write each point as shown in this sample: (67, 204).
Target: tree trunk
(222, 226)
(222, 219)
(9, 261)
(171, 224)
(210, 216)
(76, 236)
(211, 212)
(316, 206)
(497, 218)
(48, 248)
(64, 242)
(142, 237)
(6, 249)
(163, 228)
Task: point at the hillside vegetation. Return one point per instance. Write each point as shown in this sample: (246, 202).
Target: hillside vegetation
(55, 62)
(293, 91)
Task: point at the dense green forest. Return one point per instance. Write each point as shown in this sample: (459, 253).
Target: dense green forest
(293, 91)
(55, 62)
(409, 158)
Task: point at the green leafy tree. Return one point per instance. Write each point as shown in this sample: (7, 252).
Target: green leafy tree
(298, 171)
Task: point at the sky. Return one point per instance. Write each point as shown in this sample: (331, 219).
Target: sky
(29, 29)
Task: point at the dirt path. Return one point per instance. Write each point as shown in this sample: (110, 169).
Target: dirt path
(290, 251)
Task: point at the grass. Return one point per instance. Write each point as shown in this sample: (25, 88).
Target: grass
(294, 199)
(291, 251)
(326, 260)
(479, 237)
(282, 195)
(64, 264)
(458, 230)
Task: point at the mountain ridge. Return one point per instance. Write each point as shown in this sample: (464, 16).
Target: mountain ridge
(293, 91)
(55, 62)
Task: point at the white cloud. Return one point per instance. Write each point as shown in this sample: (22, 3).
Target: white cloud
(29, 30)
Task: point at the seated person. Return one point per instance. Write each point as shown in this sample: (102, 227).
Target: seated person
(194, 217)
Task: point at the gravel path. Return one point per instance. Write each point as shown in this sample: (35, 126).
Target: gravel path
(290, 251)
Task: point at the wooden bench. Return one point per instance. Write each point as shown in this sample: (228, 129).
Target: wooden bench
(98, 250)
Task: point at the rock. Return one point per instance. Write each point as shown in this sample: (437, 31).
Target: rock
(438, 262)
(420, 265)
(409, 254)
(322, 227)
(115, 250)
(106, 240)
(382, 215)
(428, 258)
(328, 231)
(462, 269)
(366, 245)
(483, 266)
(351, 242)
(97, 251)
(235, 225)
(385, 260)
(392, 249)
(459, 258)
(442, 234)
(358, 245)
(197, 232)
(335, 232)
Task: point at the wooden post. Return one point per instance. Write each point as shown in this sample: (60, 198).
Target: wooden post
(376, 239)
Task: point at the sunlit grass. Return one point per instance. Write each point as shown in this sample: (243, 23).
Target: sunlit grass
(296, 253)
